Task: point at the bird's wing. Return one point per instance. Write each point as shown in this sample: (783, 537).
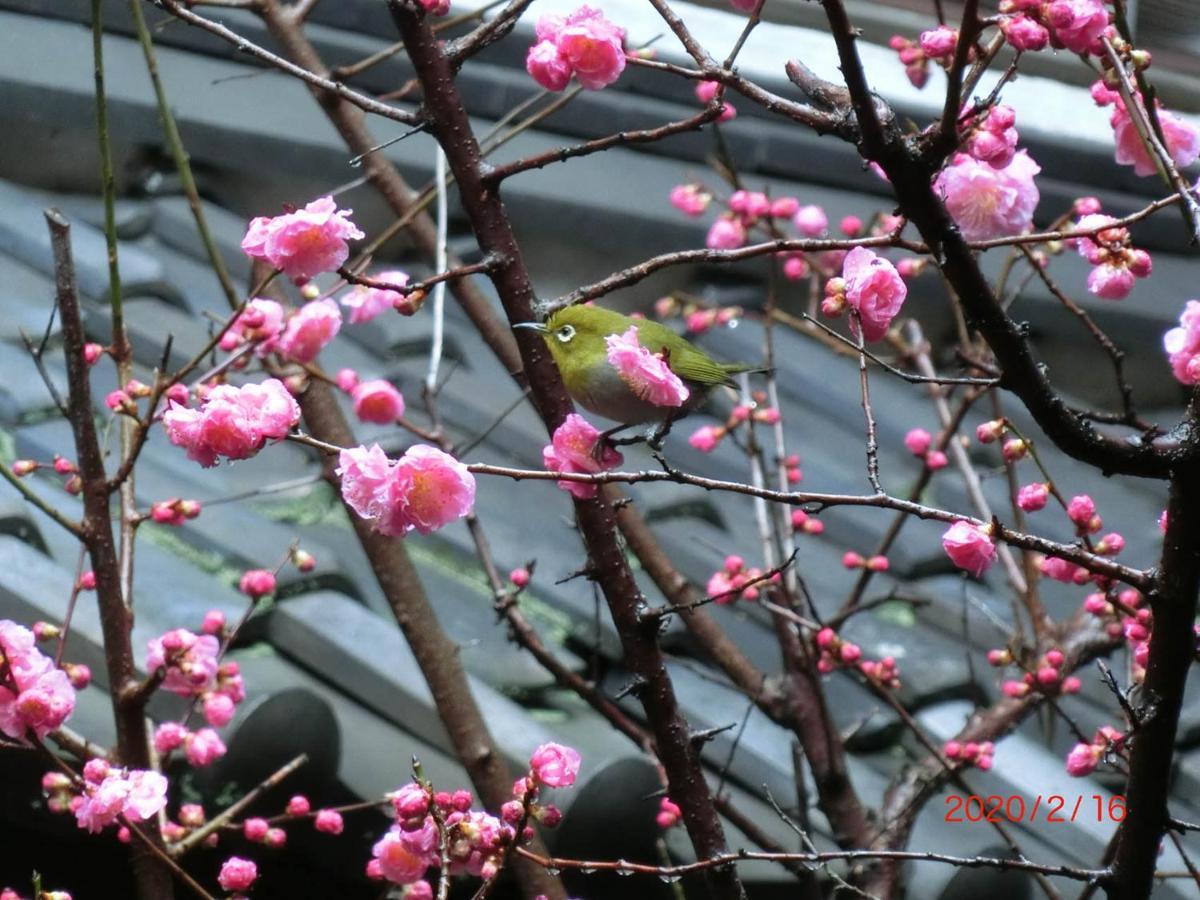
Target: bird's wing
(692, 365)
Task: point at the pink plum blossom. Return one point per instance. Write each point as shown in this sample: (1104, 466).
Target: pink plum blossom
(364, 303)
(1182, 141)
(725, 234)
(110, 793)
(969, 547)
(401, 860)
(573, 449)
(875, 289)
(584, 43)
(435, 7)
(1077, 25)
(1025, 33)
(647, 374)
(204, 747)
(548, 67)
(377, 401)
(555, 765)
(986, 202)
(304, 243)
(237, 874)
(424, 490)
(190, 661)
(257, 583)
(232, 422)
(34, 695)
(259, 323)
(1183, 345)
(309, 329)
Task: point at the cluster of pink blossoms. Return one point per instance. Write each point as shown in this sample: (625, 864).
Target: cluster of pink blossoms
(806, 523)
(1083, 758)
(697, 319)
(919, 443)
(110, 793)
(734, 580)
(475, 841)
(745, 210)
(871, 286)
(191, 667)
(1117, 264)
(233, 422)
(1182, 344)
(937, 45)
(365, 302)
(1046, 677)
(646, 373)
(573, 450)
(1125, 616)
(988, 202)
(1180, 138)
(62, 466)
(707, 437)
(34, 694)
(297, 336)
(971, 753)
(991, 137)
(669, 814)
(303, 243)
(423, 490)
(583, 44)
(836, 653)
(854, 560)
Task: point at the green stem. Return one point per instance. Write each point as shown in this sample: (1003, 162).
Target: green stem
(180, 155)
(107, 181)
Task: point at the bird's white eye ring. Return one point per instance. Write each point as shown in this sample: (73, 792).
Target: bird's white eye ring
(565, 333)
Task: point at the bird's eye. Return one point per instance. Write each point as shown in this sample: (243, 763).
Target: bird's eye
(565, 333)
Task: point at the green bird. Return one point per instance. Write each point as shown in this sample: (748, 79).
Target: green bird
(575, 336)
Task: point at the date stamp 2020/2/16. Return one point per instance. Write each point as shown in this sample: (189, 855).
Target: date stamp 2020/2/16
(1049, 808)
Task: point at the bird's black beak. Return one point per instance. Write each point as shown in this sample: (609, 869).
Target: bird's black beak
(536, 326)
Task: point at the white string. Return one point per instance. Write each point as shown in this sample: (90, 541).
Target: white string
(439, 266)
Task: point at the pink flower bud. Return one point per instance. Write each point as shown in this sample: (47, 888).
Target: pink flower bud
(1014, 449)
(519, 577)
(852, 560)
(1025, 33)
(940, 42)
(999, 658)
(852, 226)
(1082, 760)
(810, 221)
(952, 749)
(78, 674)
(257, 583)
(989, 431)
(936, 459)
(255, 829)
(23, 467)
(346, 379)
(377, 401)
(275, 837)
(734, 564)
(1033, 497)
(1081, 509)
(1071, 685)
(329, 821)
(92, 353)
(237, 874)
(785, 208)
(917, 441)
(706, 437)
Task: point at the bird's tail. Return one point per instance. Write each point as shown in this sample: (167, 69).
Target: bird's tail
(731, 369)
